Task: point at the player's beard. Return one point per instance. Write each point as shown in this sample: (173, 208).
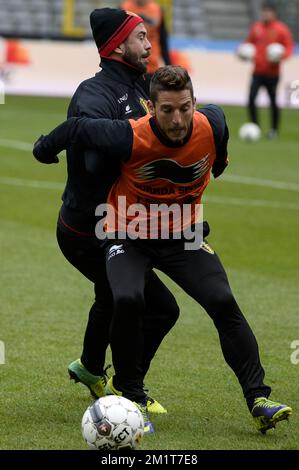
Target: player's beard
(133, 59)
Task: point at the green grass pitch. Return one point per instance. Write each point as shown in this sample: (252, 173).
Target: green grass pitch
(253, 212)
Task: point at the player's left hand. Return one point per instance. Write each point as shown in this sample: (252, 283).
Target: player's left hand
(41, 151)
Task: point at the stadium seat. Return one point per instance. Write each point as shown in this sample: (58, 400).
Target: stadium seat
(215, 19)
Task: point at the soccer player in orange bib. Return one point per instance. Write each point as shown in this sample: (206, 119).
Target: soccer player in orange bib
(167, 157)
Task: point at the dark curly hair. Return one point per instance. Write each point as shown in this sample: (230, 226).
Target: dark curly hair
(170, 78)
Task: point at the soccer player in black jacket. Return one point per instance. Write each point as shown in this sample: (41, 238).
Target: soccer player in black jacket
(112, 93)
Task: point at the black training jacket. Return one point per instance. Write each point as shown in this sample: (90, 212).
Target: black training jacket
(113, 93)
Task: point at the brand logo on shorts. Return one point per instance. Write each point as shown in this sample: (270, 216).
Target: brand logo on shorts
(115, 250)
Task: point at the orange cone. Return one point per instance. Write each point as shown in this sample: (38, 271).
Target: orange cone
(16, 53)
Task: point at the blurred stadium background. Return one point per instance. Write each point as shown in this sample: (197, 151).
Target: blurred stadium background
(215, 19)
(56, 35)
(253, 211)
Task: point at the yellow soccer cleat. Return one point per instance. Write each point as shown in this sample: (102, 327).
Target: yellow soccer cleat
(95, 383)
(153, 406)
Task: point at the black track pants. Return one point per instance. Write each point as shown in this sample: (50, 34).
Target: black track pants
(202, 276)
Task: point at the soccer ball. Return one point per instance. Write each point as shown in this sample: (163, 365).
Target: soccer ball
(112, 423)
(250, 132)
(275, 52)
(246, 51)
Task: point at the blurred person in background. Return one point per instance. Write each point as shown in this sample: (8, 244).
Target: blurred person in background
(266, 72)
(153, 16)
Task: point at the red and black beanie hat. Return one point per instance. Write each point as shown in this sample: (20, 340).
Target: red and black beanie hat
(110, 27)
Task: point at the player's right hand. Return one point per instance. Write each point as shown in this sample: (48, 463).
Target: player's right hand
(42, 153)
(219, 167)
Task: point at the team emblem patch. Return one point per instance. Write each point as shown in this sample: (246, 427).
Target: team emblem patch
(204, 246)
(143, 103)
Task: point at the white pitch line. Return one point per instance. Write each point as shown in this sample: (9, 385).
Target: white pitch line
(213, 199)
(260, 182)
(252, 202)
(16, 144)
(31, 183)
(238, 179)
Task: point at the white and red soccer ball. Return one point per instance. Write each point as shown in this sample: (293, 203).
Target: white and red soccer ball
(112, 423)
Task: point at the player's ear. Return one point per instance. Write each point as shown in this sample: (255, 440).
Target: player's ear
(194, 103)
(151, 108)
(120, 49)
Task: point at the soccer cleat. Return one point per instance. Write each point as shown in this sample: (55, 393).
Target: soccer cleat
(95, 383)
(153, 406)
(267, 413)
(110, 389)
(148, 427)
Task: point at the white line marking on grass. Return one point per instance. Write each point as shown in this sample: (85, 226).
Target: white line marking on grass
(16, 144)
(251, 202)
(31, 183)
(2, 352)
(260, 182)
(214, 199)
